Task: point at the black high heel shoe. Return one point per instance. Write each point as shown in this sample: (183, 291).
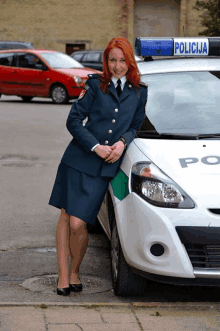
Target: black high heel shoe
(76, 287)
(63, 290)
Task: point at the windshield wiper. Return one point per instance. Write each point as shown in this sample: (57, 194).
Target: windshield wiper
(157, 135)
(208, 135)
(146, 134)
(190, 136)
(178, 136)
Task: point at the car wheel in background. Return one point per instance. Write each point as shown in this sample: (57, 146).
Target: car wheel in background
(25, 98)
(59, 94)
(124, 281)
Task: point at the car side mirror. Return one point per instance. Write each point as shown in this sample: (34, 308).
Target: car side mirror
(40, 66)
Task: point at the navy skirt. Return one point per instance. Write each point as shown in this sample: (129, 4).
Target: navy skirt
(79, 194)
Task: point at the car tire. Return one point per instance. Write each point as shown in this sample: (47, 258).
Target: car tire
(124, 281)
(96, 228)
(59, 94)
(26, 98)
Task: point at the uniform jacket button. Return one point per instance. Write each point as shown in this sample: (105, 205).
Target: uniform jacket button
(113, 120)
(109, 131)
(106, 142)
(116, 110)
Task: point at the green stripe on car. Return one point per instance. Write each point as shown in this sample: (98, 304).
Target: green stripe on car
(120, 185)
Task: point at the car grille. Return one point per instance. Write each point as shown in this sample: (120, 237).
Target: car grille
(204, 256)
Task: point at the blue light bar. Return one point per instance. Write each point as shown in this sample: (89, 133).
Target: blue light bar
(177, 46)
(154, 46)
(214, 46)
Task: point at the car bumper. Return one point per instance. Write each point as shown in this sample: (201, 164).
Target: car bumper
(141, 225)
(178, 280)
(74, 92)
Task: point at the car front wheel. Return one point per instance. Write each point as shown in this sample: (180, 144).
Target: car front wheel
(124, 281)
(96, 228)
(26, 99)
(59, 94)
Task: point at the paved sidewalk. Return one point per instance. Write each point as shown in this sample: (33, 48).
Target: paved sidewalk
(109, 317)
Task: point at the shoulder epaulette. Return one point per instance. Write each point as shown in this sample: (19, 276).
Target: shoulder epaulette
(142, 84)
(91, 76)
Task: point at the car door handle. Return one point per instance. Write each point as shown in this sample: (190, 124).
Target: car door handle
(14, 72)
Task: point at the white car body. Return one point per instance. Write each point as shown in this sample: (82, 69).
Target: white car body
(194, 165)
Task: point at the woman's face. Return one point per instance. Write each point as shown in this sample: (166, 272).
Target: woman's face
(116, 63)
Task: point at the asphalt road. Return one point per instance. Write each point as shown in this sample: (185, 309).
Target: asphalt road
(33, 137)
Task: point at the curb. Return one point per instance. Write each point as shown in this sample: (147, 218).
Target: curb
(132, 305)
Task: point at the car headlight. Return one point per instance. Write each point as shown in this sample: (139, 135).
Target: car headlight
(153, 185)
(78, 80)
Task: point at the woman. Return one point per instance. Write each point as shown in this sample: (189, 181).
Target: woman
(115, 110)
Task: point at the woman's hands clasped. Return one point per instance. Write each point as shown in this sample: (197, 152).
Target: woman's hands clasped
(103, 151)
(110, 153)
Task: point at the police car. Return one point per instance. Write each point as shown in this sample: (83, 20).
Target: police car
(162, 210)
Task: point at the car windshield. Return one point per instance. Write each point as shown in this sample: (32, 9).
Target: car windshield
(138, 59)
(183, 103)
(58, 60)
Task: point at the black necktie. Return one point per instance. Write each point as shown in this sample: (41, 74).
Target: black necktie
(118, 88)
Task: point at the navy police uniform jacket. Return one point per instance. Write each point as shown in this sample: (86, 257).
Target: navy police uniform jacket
(109, 118)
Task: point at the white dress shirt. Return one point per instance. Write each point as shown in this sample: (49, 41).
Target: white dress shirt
(123, 81)
(115, 82)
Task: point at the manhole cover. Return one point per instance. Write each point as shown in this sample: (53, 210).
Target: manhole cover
(48, 284)
(44, 250)
(21, 161)
(18, 165)
(18, 157)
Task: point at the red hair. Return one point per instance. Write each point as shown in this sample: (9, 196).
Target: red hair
(133, 74)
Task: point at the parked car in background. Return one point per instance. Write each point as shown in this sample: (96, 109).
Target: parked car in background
(41, 73)
(93, 59)
(5, 45)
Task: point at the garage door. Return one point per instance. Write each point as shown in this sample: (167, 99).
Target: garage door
(156, 18)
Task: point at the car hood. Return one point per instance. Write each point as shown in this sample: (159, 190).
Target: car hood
(193, 164)
(81, 72)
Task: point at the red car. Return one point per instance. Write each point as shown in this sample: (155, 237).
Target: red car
(41, 73)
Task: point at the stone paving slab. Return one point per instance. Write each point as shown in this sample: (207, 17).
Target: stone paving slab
(67, 327)
(21, 319)
(111, 327)
(104, 317)
(72, 315)
(166, 320)
(119, 315)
